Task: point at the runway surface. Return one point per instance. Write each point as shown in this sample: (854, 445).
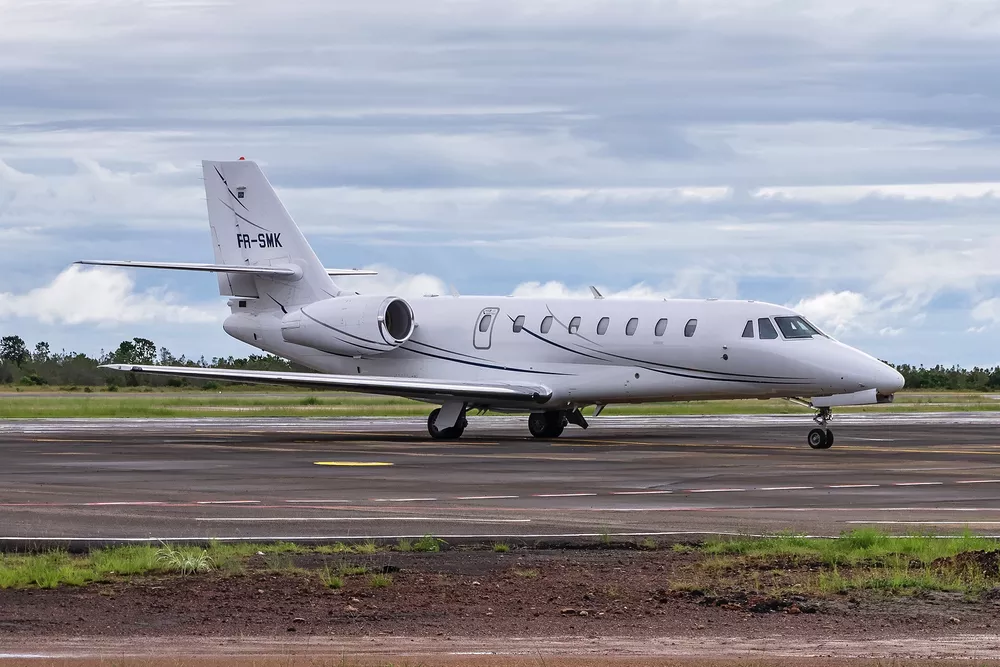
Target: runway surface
(349, 478)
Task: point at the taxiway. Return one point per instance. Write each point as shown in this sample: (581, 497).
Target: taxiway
(337, 479)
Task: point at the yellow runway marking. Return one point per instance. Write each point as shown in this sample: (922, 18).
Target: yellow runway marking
(353, 464)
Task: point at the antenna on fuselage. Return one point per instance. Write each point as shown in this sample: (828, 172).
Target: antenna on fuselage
(596, 293)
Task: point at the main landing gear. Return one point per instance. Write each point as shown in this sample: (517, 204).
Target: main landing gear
(821, 438)
(449, 433)
(550, 424)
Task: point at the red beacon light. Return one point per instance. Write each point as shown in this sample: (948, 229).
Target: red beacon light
(242, 158)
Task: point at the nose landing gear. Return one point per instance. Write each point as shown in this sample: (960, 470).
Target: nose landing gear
(820, 438)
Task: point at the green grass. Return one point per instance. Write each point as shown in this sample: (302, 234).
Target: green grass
(331, 578)
(865, 545)
(428, 543)
(380, 580)
(501, 547)
(864, 559)
(230, 401)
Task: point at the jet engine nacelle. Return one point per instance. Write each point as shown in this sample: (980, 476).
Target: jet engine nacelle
(351, 325)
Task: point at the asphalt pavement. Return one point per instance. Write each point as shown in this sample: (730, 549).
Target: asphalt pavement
(333, 479)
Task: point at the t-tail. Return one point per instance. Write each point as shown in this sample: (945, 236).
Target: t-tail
(260, 253)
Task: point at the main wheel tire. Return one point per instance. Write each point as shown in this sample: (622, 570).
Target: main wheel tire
(537, 424)
(450, 433)
(817, 439)
(547, 424)
(829, 439)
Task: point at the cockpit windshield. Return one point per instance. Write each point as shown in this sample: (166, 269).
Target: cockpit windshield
(796, 327)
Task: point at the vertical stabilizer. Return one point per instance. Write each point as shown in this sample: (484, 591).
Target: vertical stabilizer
(251, 227)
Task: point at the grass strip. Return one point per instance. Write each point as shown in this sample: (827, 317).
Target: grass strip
(332, 404)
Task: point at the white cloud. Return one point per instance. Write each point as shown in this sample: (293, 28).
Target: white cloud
(393, 281)
(987, 311)
(837, 312)
(103, 297)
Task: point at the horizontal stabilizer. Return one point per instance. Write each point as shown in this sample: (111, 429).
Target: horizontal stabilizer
(222, 268)
(370, 384)
(215, 268)
(350, 272)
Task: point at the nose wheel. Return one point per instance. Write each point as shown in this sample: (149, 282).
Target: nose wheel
(821, 438)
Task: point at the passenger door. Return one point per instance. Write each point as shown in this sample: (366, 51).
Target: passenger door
(482, 336)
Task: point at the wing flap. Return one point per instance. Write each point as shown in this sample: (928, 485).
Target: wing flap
(408, 387)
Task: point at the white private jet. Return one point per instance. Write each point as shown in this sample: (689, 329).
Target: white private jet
(545, 357)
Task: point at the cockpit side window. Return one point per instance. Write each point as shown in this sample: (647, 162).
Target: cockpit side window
(796, 327)
(546, 324)
(748, 329)
(690, 328)
(767, 330)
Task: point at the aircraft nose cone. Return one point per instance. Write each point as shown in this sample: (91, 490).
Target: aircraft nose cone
(889, 381)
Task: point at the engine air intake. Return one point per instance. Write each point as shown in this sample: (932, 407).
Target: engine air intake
(355, 326)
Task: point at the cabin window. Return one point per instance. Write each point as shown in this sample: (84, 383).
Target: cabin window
(632, 325)
(767, 330)
(519, 324)
(661, 327)
(602, 326)
(748, 329)
(546, 324)
(574, 325)
(690, 327)
(796, 327)
(484, 324)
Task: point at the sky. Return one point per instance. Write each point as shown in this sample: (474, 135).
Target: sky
(840, 158)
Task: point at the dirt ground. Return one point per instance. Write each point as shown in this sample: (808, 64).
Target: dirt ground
(585, 599)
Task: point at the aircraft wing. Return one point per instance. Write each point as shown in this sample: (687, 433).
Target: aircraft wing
(370, 384)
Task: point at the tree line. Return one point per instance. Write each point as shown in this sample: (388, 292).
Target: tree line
(39, 365)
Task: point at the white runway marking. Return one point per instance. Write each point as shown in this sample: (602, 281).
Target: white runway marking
(639, 493)
(301, 519)
(713, 490)
(404, 500)
(917, 483)
(853, 486)
(562, 495)
(978, 481)
(784, 488)
(929, 523)
(228, 502)
(317, 502)
(126, 503)
(485, 497)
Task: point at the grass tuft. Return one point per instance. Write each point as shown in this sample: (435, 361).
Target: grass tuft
(331, 578)
(380, 580)
(366, 547)
(428, 543)
(185, 561)
(501, 547)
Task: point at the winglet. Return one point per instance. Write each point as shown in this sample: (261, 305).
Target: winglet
(596, 293)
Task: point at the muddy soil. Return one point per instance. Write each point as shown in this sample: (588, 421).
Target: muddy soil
(530, 593)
